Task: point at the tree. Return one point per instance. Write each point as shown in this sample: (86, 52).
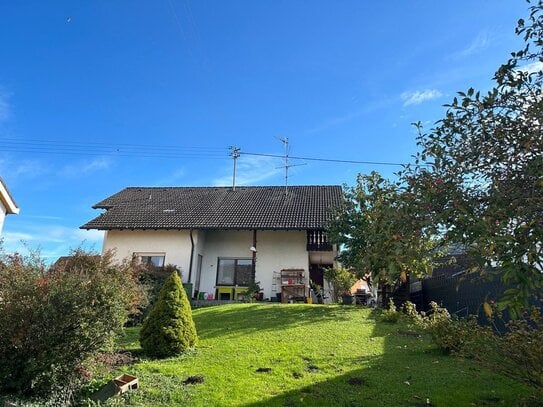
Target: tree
(482, 182)
(169, 329)
(380, 232)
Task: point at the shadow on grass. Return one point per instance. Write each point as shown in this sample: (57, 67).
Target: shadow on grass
(410, 372)
(243, 319)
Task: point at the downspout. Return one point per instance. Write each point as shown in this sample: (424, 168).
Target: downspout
(191, 255)
(254, 255)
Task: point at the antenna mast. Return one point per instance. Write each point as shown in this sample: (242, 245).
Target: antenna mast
(234, 153)
(284, 140)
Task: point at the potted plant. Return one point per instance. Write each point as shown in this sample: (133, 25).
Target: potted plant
(254, 291)
(341, 280)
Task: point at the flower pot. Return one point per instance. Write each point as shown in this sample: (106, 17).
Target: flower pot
(347, 299)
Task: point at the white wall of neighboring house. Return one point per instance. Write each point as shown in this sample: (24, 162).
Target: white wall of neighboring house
(7, 204)
(175, 244)
(2, 215)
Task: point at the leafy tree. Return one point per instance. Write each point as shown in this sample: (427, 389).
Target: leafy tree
(380, 231)
(53, 321)
(169, 329)
(483, 179)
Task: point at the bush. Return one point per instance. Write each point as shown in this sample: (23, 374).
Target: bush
(53, 321)
(517, 353)
(169, 329)
(452, 334)
(523, 343)
(391, 315)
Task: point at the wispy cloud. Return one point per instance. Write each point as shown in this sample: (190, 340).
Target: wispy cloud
(52, 241)
(419, 96)
(22, 169)
(368, 108)
(86, 167)
(533, 67)
(5, 109)
(479, 43)
(251, 170)
(173, 178)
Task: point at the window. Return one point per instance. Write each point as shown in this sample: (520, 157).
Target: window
(151, 260)
(235, 272)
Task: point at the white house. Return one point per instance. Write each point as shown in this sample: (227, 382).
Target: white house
(7, 203)
(224, 238)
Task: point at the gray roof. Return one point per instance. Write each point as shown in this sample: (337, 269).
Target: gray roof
(265, 207)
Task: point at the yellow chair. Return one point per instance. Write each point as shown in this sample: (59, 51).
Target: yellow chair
(225, 293)
(240, 292)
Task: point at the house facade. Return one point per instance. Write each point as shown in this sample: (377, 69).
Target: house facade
(7, 203)
(224, 238)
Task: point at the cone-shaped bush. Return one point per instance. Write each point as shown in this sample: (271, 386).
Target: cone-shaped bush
(169, 329)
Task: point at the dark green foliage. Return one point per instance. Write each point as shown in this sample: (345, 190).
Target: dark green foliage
(53, 321)
(482, 178)
(169, 329)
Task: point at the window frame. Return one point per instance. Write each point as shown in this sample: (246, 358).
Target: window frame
(236, 270)
(140, 255)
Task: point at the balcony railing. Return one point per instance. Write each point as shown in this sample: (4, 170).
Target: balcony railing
(316, 241)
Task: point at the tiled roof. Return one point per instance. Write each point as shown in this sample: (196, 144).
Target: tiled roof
(303, 207)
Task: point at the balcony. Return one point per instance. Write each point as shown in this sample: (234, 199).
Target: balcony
(316, 241)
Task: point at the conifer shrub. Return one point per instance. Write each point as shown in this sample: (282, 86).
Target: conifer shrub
(169, 329)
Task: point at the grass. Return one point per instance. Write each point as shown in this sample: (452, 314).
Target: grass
(313, 355)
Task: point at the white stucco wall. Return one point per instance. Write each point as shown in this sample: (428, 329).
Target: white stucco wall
(2, 216)
(175, 244)
(276, 250)
(280, 250)
(222, 243)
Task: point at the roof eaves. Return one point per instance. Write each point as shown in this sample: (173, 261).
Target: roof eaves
(7, 200)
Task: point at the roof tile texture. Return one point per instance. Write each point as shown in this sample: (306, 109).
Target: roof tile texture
(303, 207)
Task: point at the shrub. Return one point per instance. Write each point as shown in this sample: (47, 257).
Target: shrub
(518, 352)
(523, 343)
(169, 329)
(391, 314)
(53, 321)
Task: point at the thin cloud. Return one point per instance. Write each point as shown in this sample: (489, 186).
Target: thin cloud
(86, 167)
(22, 169)
(5, 109)
(172, 179)
(481, 42)
(419, 96)
(251, 170)
(533, 67)
(52, 241)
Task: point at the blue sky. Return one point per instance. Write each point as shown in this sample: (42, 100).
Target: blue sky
(97, 96)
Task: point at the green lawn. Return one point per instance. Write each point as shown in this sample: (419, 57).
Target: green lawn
(314, 355)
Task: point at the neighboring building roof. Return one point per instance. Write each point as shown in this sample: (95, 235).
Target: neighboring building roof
(266, 207)
(6, 199)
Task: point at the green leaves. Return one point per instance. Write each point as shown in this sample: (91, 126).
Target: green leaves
(381, 230)
(488, 154)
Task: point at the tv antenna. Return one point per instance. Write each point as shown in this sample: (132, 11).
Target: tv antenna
(234, 153)
(284, 140)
